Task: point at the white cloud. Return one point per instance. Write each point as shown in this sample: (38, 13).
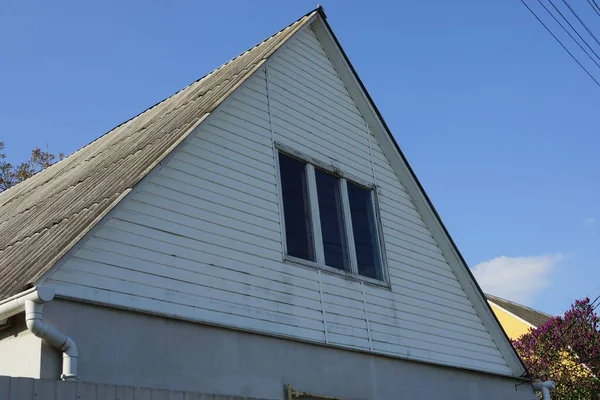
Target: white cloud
(515, 278)
(589, 221)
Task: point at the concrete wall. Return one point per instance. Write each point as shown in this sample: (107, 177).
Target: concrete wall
(125, 348)
(20, 350)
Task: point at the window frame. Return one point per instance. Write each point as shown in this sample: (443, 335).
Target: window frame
(311, 164)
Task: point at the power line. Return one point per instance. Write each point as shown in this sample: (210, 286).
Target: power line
(592, 291)
(567, 32)
(575, 30)
(581, 22)
(595, 6)
(559, 42)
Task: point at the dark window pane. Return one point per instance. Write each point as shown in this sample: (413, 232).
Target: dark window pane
(332, 220)
(296, 208)
(365, 231)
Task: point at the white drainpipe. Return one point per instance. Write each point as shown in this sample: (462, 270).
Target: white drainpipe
(544, 387)
(32, 302)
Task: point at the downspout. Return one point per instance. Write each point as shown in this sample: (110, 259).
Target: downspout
(544, 387)
(32, 302)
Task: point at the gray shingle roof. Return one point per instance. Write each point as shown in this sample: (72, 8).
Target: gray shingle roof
(44, 216)
(534, 317)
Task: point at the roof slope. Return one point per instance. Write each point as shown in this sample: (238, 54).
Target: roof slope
(534, 317)
(44, 216)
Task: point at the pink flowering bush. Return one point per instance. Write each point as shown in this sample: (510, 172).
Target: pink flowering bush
(566, 349)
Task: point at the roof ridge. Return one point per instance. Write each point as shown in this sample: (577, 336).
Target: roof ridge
(492, 297)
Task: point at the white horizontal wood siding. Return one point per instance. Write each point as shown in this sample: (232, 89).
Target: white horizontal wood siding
(200, 238)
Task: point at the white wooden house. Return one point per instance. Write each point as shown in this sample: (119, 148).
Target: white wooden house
(257, 229)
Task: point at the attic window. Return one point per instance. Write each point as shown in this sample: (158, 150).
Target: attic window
(330, 221)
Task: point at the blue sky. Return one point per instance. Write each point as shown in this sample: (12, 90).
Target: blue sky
(500, 125)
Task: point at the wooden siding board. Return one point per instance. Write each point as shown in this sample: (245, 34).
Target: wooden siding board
(179, 183)
(294, 82)
(404, 271)
(183, 311)
(408, 234)
(222, 135)
(398, 218)
(308, 123)
(279, 307)
(405, 262)
(443, 348)
(312, 117)
(201, 238)
(354, 134)
(219, 138)
(113, 238)
(235, 128)
(305, 142)
(202, 233)
(349, 341)
(214, 287)
(220, 190)
(230, 218)
(187, 205)
(144, 204)
(294, 62)
(241, 156)
(174, 296)
(288, 82)
(137, 226)
(223, 225)
(229, 166)
(260, 275)
(419, 306)
(429, 356)
(422, 325)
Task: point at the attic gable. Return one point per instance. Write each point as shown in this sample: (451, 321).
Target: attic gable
(200, 238)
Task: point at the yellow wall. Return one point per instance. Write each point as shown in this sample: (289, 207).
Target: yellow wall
(513, 327)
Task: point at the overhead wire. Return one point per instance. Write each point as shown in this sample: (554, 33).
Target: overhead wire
(561, 43)
(595, 6)
(581, 21)
(574, 30)
(568, 33)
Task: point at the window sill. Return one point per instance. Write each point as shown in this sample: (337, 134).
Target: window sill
(334, 271)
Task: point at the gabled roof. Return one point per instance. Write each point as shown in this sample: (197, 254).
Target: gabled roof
(529, 315)
(44, 216)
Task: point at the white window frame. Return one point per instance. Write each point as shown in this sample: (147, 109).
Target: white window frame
(317, 240)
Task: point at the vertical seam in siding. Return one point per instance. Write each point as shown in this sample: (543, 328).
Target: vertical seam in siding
(371, 155)
(351, 247)
(364, 298)
(322, 306)
(277, 173)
